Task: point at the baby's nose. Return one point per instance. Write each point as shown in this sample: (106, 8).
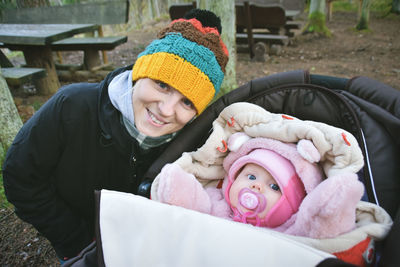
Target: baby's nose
(256, 186)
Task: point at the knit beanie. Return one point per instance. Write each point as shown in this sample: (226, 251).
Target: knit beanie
(188, 56)
(285, 175)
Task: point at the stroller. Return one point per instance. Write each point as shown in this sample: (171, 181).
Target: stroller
(364, 107)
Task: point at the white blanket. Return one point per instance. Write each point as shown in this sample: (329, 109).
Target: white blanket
(138, 232)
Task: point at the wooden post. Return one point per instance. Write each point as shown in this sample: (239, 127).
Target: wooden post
(59, 56)
(329, 7)
(104, 53)
(360, 4)
(91, 59)
(249, 28)
(41, 57)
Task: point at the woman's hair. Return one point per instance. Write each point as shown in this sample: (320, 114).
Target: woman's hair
(188, 55)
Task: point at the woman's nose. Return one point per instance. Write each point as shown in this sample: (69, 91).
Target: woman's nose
(168, 105)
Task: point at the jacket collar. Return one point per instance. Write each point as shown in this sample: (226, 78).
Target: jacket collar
(110, 118)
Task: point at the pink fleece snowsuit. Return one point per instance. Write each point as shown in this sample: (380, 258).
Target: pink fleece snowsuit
(327, 210)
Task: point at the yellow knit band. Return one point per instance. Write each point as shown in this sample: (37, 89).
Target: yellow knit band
(178, 73)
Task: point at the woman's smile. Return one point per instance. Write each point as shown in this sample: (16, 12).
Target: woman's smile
(154, 120)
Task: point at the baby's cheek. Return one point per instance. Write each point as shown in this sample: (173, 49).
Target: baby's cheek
(233, 197)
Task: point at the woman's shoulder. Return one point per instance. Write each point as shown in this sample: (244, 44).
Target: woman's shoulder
(79, 90)
(73, 101)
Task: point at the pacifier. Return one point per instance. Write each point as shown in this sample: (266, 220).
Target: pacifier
(252, 200)
(248, 200)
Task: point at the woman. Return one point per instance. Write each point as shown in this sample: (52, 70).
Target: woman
(105, 135)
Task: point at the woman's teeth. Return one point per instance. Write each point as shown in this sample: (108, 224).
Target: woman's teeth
(154, 119)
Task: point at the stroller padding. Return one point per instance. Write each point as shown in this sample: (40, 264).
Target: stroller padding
(155, 234)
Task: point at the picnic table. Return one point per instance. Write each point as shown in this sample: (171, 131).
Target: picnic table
(292, 14)
(35, 41)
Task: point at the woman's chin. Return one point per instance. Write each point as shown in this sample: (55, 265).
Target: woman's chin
(153, 130)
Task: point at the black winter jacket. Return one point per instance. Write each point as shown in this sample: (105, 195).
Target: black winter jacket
(72, 146)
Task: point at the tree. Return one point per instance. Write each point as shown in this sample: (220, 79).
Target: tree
(363, 19)
(225, 9)
(317, 19)
(10, 120)
(395, 7)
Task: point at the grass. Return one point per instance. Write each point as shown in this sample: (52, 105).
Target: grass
(3, 200)
(380, 6)
(345, 5)
(37, 104)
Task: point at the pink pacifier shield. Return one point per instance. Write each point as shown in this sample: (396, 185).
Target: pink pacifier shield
(248, 200)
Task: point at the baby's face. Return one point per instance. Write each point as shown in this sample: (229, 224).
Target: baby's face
(259, 180)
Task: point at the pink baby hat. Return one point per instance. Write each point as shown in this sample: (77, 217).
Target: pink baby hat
(284, 173)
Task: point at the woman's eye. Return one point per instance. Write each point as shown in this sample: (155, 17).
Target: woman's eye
(251, 177)
(188, 103)
(274, 187)
(162, 85)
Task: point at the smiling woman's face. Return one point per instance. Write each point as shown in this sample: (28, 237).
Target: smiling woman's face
(160, 109)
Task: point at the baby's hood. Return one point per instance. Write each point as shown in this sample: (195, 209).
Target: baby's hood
(338, 149)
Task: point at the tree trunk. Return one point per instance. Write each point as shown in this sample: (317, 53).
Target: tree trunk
(150, 10)
(10, 120)
(156, 8)
(395, 7)
(363, 19)
(136, 7)
(317, 19)
(225, 9)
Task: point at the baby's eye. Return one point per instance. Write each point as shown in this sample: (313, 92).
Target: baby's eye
(275, 187)
(251, 177)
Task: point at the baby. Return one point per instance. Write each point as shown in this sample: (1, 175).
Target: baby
(265, 184)
(293, 176)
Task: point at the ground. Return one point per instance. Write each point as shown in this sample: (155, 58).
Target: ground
(374, 53)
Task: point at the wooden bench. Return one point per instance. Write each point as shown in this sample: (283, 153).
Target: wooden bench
(102, 13)
(16, 76)
(90, 46)
(292, 8)
(264, 24)
(292, 25)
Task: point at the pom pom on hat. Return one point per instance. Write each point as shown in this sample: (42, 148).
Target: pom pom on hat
(206, 17)
(189, 56)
